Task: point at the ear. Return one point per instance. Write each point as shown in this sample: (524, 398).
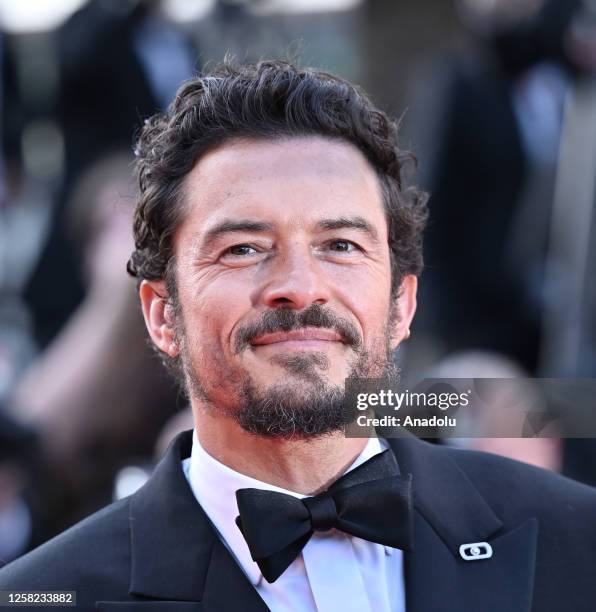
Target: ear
(404, 309)
(159, 316)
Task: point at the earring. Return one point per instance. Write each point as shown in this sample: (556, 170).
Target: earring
(407, 334)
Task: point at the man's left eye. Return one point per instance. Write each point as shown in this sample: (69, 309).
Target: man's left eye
(342, 246)
(241, 249)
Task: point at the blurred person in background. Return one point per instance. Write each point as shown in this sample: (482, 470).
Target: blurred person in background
(118, 62)
(502, 411)
(493, 159)
(70, 98)
(22, 518)
(16, 235)
(95, 396)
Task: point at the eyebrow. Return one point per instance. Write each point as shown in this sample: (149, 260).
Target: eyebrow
(358, 223)
(230, 226)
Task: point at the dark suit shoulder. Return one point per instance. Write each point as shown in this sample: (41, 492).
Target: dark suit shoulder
(516, 490)
(92, 553)
(487, 470)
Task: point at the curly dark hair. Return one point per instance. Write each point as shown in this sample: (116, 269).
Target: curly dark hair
(268, 100)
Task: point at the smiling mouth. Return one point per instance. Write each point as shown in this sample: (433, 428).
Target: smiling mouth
(308, 338)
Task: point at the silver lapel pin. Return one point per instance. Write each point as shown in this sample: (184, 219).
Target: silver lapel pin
(475, 551)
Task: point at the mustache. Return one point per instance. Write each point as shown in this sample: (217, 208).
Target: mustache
(287, 319)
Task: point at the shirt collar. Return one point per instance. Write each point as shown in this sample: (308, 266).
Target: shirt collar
(214, 485)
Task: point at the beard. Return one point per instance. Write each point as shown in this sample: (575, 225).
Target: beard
(305, 404)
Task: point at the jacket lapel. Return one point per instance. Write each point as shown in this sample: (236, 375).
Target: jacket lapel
(175, 553)
(449, 512)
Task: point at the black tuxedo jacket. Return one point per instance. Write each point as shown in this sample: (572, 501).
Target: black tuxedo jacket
(157, 550)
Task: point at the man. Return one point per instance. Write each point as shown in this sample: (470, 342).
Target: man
(277, 251)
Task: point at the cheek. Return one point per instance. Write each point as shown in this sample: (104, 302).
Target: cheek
(367, 296)
(371, 275)
(203, 327)
(212, 317)
(376, 330)
(208, 354)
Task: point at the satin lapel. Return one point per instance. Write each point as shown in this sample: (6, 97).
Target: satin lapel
(226, 586)
(176, 554)
(449, 512)
(439, 581)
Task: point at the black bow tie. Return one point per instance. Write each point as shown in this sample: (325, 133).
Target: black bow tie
(372, 502)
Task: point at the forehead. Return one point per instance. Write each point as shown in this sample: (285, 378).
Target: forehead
(292, 182)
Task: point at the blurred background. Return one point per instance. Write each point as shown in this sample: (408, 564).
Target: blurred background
(498, 103)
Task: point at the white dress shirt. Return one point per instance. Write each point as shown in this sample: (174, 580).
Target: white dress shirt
(335, 571)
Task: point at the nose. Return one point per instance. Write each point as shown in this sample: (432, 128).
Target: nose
(295, 280)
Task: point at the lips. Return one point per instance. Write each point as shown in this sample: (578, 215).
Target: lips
(306, 335)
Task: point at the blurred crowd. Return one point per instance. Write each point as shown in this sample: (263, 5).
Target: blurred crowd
(501, 99)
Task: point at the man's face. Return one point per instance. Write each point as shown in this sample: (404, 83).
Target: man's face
(283, 275)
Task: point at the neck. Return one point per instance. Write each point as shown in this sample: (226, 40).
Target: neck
(305, 466)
